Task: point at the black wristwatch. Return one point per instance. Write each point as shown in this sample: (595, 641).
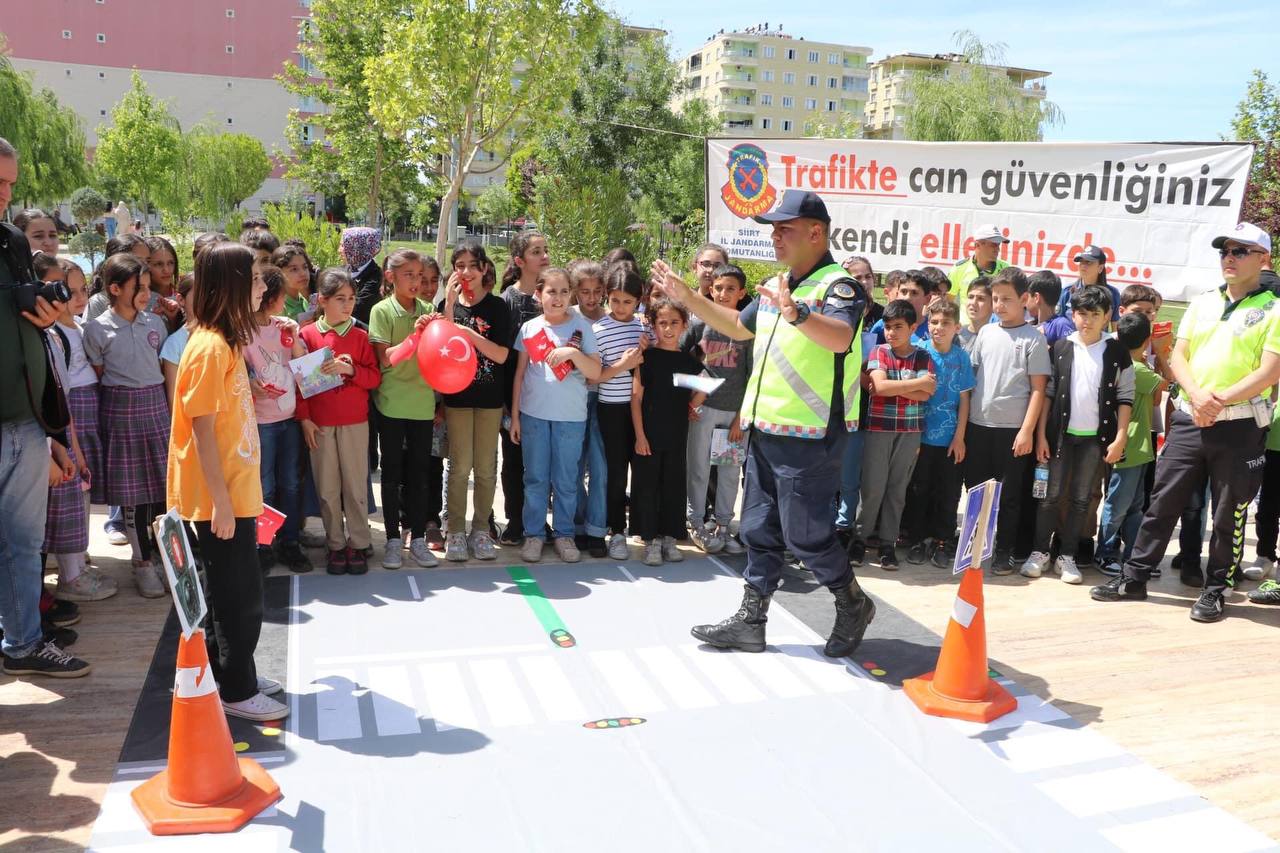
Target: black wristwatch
(802, 313)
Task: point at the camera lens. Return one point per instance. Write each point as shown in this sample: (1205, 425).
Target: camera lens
(54, 291)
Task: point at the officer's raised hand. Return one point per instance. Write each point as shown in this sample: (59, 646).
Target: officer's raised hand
(665, 280)
(780, 294)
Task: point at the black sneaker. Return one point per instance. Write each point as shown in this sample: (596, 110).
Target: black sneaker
(293, 558)
(1002, 563)
(513, 534)
(337, 564)
(941, 555)
(857, 552)
(62, 613)
(580, 541)
(918, 554)
(266, 558)
(1110, 567)
(1120, 589)
(1208, 607)
(357, 561)
(597, 547)
(889, 558)
(48, 660)
(1267, 593)
(62, 637)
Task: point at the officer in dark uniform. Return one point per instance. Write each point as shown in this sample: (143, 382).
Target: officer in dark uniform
(802, 398)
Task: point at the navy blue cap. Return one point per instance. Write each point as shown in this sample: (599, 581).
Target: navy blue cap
(1091, 253)
(797, 204)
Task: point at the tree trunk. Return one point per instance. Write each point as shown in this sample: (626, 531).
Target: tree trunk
(375, 187)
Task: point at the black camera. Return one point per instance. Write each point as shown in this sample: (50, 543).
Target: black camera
(25, 294)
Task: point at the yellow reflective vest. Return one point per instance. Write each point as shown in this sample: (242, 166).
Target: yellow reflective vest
(792, 378)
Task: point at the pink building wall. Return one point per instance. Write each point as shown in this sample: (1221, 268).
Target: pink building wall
(181, 36)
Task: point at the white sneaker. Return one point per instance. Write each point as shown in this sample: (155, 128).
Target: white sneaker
(707, 538)
(1260, 569)
(567, 549)
(257, 707)
(422, 554)
(392, 557)
(671, 550)
(1066, 566)
(531, 550)
(117, 537)
(1035, 565)
(88, 586)
(269, 686)
(618, 548)
(148, 582)
(482, 546)
(455, 548)
(653, 552)
(731, 543)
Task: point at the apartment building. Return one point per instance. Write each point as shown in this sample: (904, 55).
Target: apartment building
(768, 83)
(889, 91)
(209, 61)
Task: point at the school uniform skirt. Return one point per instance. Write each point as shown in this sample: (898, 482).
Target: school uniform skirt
(66, 527)
(135, 437)
(83, 402)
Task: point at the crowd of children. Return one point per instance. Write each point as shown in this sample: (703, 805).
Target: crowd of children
(597, 398)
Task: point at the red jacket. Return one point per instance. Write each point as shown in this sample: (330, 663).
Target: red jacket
(348, 404)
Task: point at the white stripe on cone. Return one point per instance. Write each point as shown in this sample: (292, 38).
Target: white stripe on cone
(963, 612)
(192, 682)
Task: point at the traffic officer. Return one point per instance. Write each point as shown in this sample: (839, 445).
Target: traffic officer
(1225, 361)
(985, 260)
(801, 398)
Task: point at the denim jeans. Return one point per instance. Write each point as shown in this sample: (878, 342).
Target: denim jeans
(1072, 471)
(1122, 512)
(281, 486)
(24, 500)
(850, 479)
(115, 519)
(590, 516)
(551, 452)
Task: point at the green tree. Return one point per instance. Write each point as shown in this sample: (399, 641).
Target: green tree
(321, 238)
(49, 137)
(619, 118)
(976, 102)
(339, 149)
(1257, 120)
(458, 77)
(584, 215)
(496, 206)
(87, 204)
(220, 170)
(142, 148)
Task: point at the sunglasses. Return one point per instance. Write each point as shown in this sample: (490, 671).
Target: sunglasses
(1238, 252)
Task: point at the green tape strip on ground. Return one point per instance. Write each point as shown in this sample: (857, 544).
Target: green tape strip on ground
(541, 607)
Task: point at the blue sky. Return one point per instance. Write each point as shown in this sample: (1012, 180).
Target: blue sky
(1142, 71)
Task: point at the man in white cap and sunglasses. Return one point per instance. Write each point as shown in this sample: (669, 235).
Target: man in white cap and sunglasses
(985, 260)
(1225, 362)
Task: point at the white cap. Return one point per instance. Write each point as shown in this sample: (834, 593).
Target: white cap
(1247, 233)
(989, 232)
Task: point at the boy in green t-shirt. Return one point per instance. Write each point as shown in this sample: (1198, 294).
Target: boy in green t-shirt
(1122, 509)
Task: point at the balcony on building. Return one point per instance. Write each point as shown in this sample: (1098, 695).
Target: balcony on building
(737, 80)
(739, 124)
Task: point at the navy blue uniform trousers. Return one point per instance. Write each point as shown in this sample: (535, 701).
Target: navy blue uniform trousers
(790, 490)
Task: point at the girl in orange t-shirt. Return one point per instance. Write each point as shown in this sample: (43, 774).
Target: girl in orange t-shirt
(213, 477)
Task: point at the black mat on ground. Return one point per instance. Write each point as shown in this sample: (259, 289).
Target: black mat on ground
(148, 738)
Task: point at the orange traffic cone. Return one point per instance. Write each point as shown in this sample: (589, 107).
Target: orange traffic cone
(205, 788)
(961, 686)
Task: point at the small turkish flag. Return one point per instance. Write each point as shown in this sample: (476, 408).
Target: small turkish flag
(538, 346)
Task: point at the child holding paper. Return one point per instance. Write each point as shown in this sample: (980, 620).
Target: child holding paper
(730, 360)
(661, 412)
(558, 354)
(275, 342)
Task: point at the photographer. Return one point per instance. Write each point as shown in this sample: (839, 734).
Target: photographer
(24, 455)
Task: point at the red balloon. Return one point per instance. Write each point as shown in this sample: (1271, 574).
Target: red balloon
(446, 358)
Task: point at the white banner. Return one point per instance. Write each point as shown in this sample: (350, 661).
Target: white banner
(1153, 208)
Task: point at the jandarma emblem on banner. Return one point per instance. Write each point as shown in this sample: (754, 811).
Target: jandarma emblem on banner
(747, 192)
